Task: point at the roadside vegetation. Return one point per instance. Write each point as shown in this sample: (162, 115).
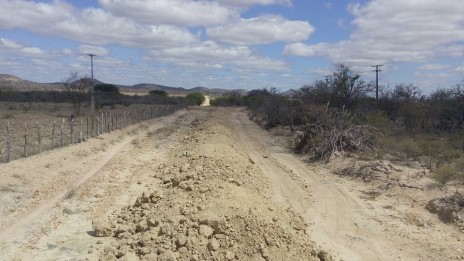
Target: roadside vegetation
(340, 113)
(195, 98)
(77, 92)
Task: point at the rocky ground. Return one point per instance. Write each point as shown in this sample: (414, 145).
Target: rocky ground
(207, 203)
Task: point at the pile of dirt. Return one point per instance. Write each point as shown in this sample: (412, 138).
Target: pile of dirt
(450, 209)
(209, 203)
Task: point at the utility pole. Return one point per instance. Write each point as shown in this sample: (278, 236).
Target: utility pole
(92, 97)
(377, 70)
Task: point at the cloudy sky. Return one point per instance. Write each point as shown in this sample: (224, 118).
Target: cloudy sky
(234, 43)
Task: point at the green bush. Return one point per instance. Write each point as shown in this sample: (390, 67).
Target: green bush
(196, 98)
(158, 93)
(379, 120)
(106, 88)
(408, 147)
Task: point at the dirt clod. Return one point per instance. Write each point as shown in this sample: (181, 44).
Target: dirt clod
(101, 228)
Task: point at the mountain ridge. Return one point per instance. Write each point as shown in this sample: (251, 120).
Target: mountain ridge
(12, 82)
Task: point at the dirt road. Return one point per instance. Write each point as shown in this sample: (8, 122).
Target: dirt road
(212, 185)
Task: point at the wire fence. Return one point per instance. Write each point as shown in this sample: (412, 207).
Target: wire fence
(24, 139)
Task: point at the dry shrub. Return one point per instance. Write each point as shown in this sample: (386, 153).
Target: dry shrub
(445, 173)
(329, 130)
(459, 163)
(408, 147)
(362, 172)
(449, 209)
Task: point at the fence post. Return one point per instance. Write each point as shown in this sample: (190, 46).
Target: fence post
(39, 138)
(8, 143)
(87, 128)
(80, 133)
(112, 121)
(25, 139)
(93, 127)
(72, 131)
(98, 127)
(53, 135)
(62, 130)
(102, 123)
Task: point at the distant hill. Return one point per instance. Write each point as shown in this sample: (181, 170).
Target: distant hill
(11, 82)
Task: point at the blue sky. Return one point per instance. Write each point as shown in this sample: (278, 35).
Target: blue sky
(231, 44)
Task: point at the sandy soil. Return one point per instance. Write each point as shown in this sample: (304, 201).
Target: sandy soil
(206, 102)
(208, 184)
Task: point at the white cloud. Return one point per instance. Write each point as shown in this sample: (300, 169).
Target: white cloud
(433, 67)
(261, 30)
(175, 12)
(301, 49)
(255, 2)
(459, 69)
(32, 51)
(90, 25)
(7, 43)
(97, 50)
(397, 31)
(209, 54)
(11, 47)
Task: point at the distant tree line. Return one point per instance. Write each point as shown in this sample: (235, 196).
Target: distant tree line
(346, 97)
(405, 105)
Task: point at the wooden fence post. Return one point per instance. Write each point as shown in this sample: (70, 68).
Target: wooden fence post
(98, 127)
(102, 123)
(112, 121)
(62, 130)
(8, 143)
(71, 123)
(87, 128)
(53, 135)
(25, 139)
(116, 120)
(80, 133)
(39, 138)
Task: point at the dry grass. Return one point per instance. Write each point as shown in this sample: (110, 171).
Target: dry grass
(429, 150)
(445, 173)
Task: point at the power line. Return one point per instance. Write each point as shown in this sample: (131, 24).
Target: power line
(377, 70)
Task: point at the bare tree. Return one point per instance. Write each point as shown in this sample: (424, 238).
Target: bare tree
(78, 89)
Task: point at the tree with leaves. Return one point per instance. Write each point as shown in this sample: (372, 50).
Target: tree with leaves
(347, 87)
(196, 98)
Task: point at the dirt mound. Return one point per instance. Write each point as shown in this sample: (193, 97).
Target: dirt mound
(449, 209)
(208, 203)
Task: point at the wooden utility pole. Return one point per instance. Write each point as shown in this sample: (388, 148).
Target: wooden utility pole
(377, 70)
(92, 97)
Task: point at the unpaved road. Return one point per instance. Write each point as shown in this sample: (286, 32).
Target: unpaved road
(204, 161)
